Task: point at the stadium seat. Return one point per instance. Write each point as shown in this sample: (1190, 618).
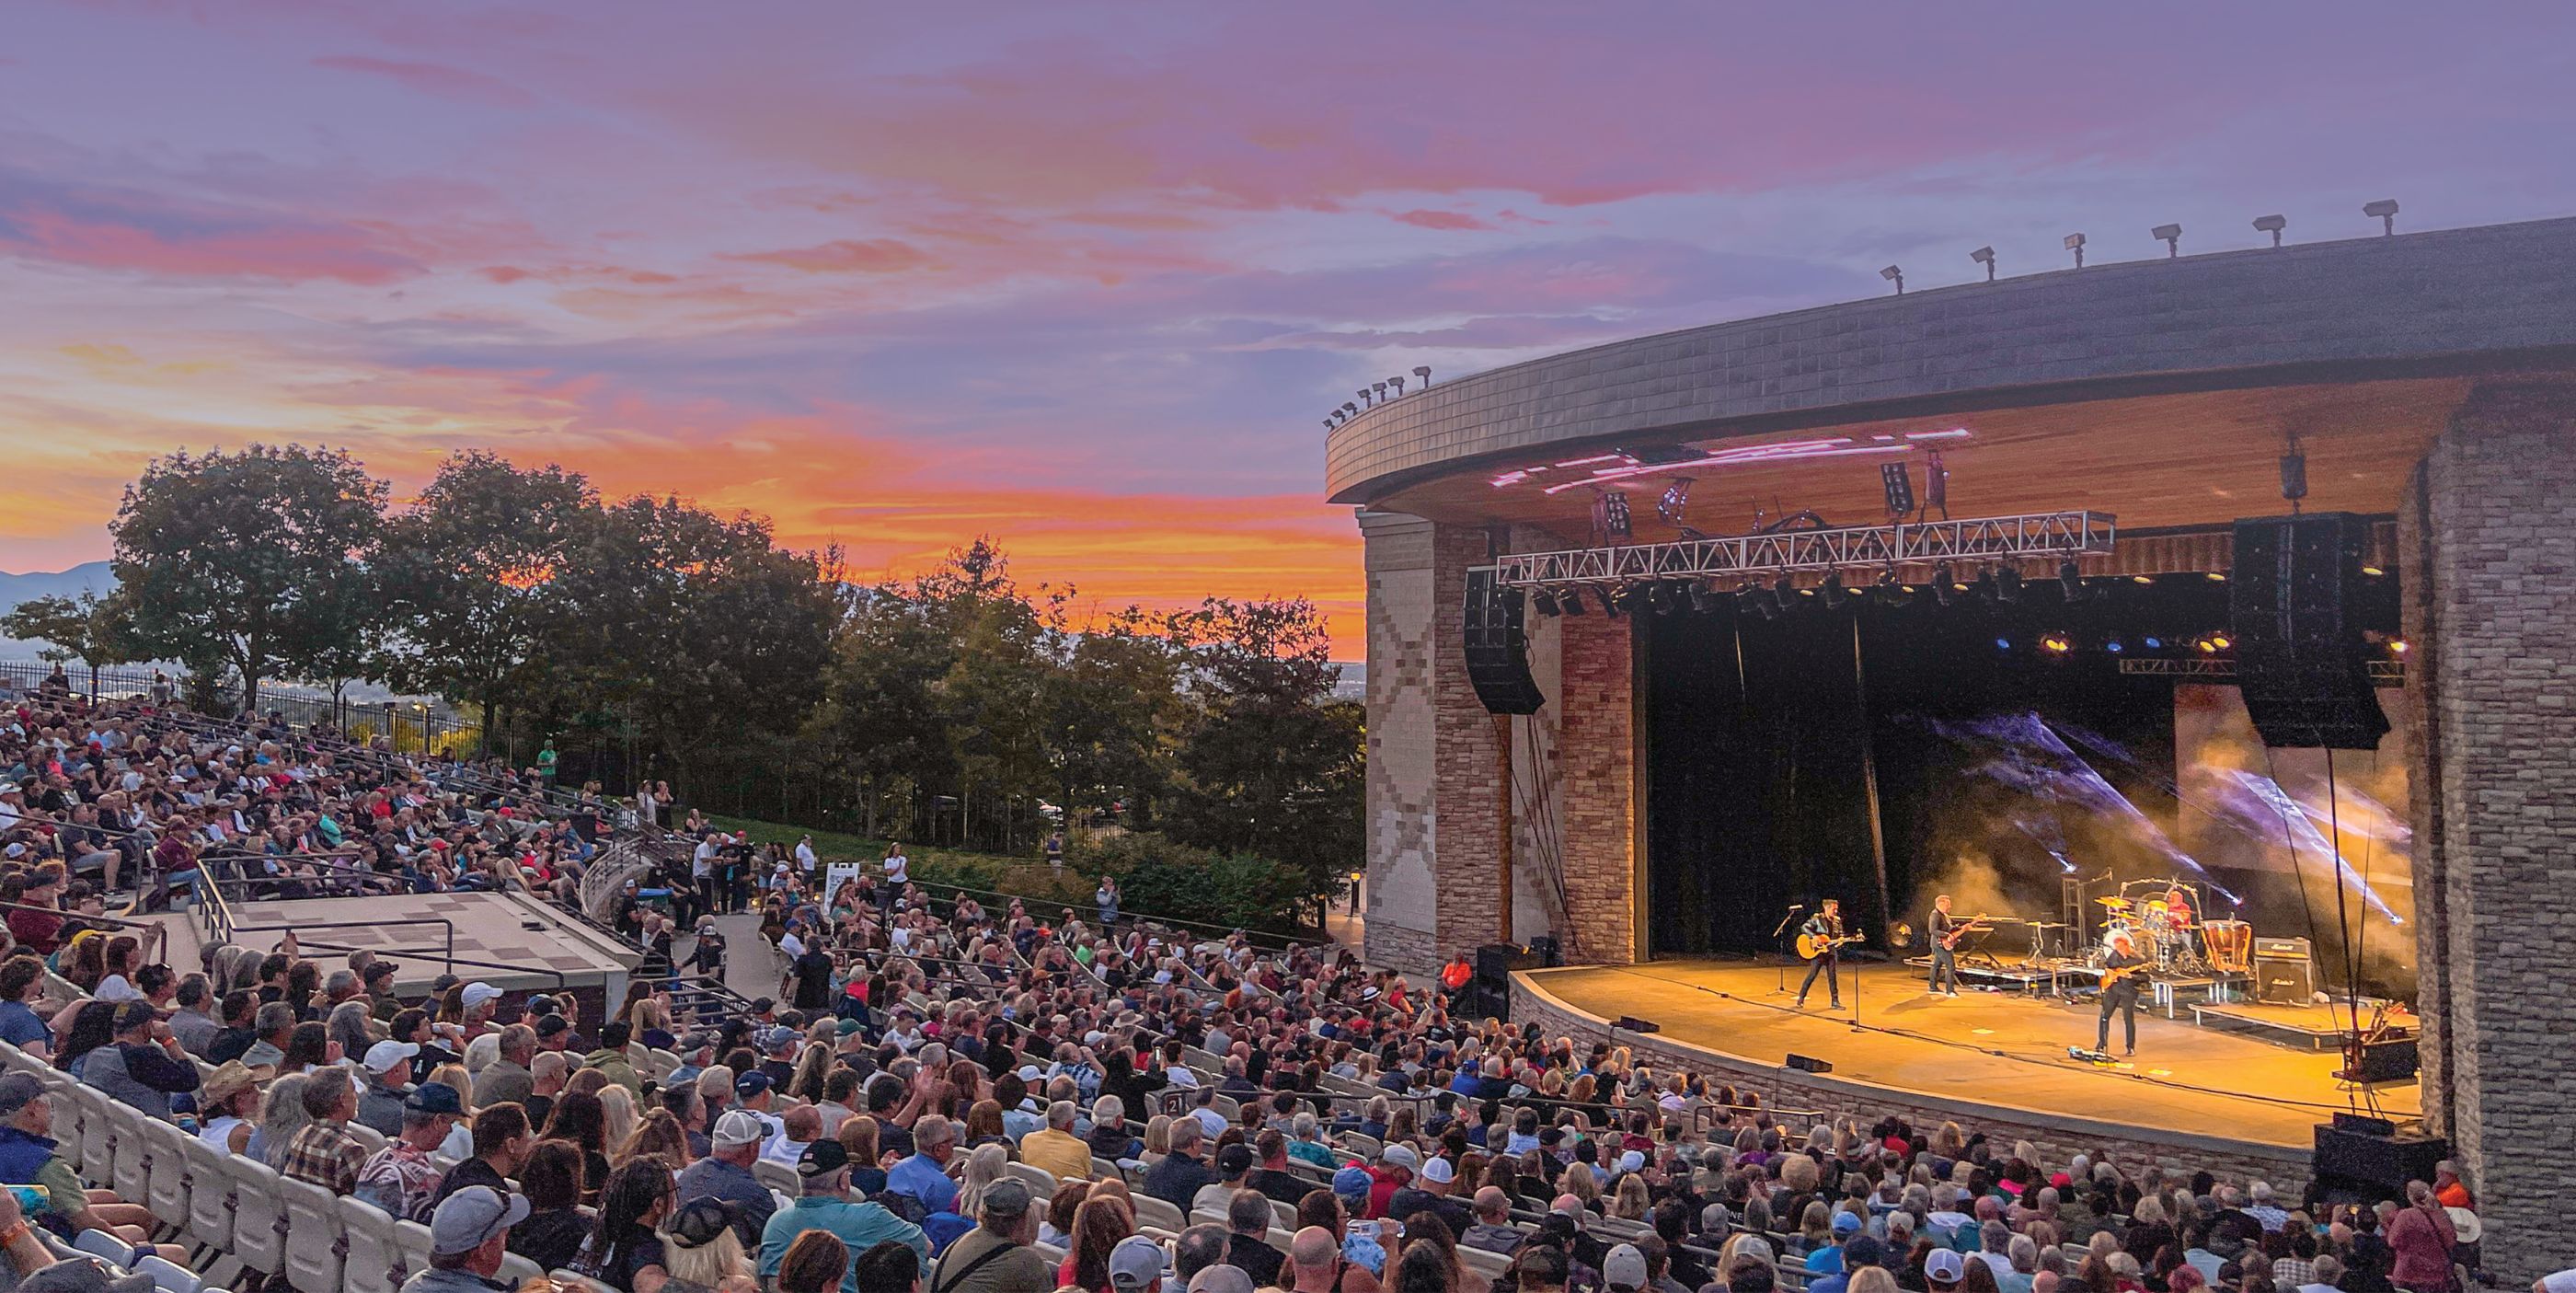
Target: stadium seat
(1151, 1211)
(368, 1136)
(168, 1276)
(664, 1063)
(210, 1195)
(1040, 1181)
(314, 1246)
(576, 1282)
(98, 1139)
(411, 1239)
(134, 1148)
(259, 1215)
(172, 1172)
(516, 1271)
(106, 1247)
(777, 1176)
(374, 1263)
(1491, 1265)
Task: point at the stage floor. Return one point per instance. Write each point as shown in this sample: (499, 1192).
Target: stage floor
(1989, 1047)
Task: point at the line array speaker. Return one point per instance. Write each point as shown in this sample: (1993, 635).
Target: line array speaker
(2295, 601)
(1497, 649)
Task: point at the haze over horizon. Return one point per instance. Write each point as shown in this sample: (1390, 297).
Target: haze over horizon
(1086, 277)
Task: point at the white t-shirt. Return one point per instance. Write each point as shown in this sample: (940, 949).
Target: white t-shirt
(898, 869)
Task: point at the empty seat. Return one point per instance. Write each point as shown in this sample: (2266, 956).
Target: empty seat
(167, 1192)
(314, 1245)
(1491, 1265)
(411, 1239)
(210, 1194)
(134, 1149)
(106, 1247)
(1151, 1211)
(368, 1136)
(259, 1214)
(1040, 1181)
(168, 1276)
(777, 1176)
(98, 1139)
(374, 1262)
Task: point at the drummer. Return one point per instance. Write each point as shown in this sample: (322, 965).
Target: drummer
(2177, 905)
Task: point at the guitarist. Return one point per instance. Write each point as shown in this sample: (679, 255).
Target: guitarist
(2120, 974)
(1941, 928)
(1826, 927)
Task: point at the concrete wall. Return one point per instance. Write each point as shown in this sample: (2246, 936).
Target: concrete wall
(2387, 305)
(2490, 576)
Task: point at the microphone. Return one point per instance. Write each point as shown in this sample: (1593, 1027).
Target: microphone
(1797, 906)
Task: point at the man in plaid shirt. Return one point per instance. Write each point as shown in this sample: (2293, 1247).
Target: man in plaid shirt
(401, 1178)
(325, 1153)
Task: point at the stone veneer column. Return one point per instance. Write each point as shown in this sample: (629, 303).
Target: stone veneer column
(1435, 785)
(2490, 587)
(1597, 758)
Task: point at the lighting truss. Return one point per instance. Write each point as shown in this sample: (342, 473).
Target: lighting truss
(1872, 547)
(2383, 673)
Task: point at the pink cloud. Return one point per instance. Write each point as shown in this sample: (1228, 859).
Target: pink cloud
(110, 228)
(845, 256)
(1441, 220)
(434, 79)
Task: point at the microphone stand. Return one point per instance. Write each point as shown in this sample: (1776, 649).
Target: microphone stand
(1785, 918)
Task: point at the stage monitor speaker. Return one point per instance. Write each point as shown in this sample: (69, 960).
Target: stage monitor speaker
(2294, 600)
(1809, 1063)
(1497, 649)
(2392, 1059)
(2383, 1164)
(1635, 1025)
(1496, 961)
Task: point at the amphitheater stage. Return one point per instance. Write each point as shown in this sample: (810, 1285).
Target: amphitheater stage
(1991, 1060)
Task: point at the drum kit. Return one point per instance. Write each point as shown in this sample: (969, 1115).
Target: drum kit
(2170, 938)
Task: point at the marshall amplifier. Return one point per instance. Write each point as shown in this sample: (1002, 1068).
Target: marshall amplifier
(2284, 972)
(2282, 949)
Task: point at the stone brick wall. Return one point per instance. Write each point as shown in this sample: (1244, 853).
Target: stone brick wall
(1402, 730)
(2491, 580)
(1468, 859)
(1596, 757)
(2286, 1168)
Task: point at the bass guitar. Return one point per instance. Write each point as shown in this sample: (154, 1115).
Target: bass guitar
(1950, 941)
(1810, 946)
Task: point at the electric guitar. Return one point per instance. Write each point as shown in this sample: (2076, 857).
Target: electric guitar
(1810, 946)
(2112, 976)
(1950, 941)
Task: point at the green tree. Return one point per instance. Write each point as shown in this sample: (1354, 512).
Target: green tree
(248, 560)
(1110, 712)
(1270, 763)
(470, 571)
(89, 630)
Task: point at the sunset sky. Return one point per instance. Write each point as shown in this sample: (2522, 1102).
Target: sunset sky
(1083, 276)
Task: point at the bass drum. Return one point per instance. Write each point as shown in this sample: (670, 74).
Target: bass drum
(2230, 944)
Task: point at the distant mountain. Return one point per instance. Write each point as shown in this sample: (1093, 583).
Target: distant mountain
(87, 577)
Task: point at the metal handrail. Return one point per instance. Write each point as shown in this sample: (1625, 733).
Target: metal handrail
(300, 926)
(450, 961)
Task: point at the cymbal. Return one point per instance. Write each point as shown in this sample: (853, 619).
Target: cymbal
(2115, 902)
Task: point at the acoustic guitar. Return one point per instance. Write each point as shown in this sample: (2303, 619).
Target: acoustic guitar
(1810, 947)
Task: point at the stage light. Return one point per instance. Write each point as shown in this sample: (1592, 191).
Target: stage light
(2397, 646)
(1365, 401)
(1703, 598)
(1397, 383)
(1757, 599)
(1894, 275)
(2056, 643)
(1986, 586)
(1571, 602)
(1886, 590)
(2003, 644)
(1380, 388)
(2373, 571)
(2217, 577)
(2385, 210)
(1610, 602)
(2008, 584)
(1676, 497)
(2114, 645)
(2141, 579)
(2070, 580)
(2152, 642)
(2213, 643)
(1945, 584)
(2171, 236)
(1663, 599)
(1833, 591)
(2075, 243)
(2272, 225)
(1985, 256)
(1545, 601)
(1898, 481)
(1329, 424)
(1424, 373)
(1350, 410)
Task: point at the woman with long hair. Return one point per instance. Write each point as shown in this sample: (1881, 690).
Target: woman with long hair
(556, 1226)
(624, 1250)
(308, 1048)
(281, 1115)
(616, 1116)
(984, 1165)
(1424, 1268)
(348, 1025)
(701, 1250)
(984, 1126)
(1056, 1229)
(1097, 1227)
(660, 1135)
(1426, 1227)
(93, 1026)
(812, 1068)
(579, 1118)
(817, 1262)
(1628, 1199)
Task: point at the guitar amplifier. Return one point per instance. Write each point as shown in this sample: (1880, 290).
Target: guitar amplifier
(2281, 949)
(2284, 981)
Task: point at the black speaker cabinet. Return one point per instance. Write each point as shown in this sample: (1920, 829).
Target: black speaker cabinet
(2284, 982)
(2295, 599)
(1497, 651)
(2379, 1166)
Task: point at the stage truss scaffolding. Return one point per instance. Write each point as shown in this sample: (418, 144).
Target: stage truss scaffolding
(2385, 673)
(2030, 537)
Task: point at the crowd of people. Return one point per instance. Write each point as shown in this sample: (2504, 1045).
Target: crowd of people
(958, 1097)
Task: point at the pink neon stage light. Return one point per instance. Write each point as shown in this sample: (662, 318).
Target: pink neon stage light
(1787, 450)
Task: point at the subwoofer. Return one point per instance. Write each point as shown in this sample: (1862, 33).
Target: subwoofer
(2294, 599)
(1497, 649)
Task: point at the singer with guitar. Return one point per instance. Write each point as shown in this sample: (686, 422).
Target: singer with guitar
(1820, 940)
(1945, 931)
(2121, 971)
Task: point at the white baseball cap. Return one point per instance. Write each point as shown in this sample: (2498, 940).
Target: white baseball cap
(1438, 1171)
(382, 1056)
(738, 1127)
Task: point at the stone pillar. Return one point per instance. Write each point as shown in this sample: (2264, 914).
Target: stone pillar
(1435, 761)
(1597, 753)
(2490, 583)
